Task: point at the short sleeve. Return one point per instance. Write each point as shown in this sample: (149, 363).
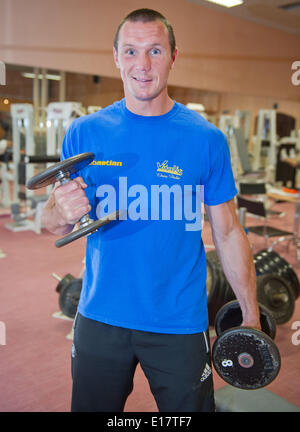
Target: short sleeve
(220, 185)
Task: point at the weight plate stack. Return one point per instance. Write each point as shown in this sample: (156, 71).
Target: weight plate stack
(270, 262)
(275, 292)
(219, 291)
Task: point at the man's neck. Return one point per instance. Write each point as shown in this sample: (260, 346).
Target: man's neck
(155, 107)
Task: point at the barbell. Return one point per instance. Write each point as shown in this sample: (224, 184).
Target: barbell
(61, 171)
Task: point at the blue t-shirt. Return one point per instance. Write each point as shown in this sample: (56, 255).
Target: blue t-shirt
(148, 272)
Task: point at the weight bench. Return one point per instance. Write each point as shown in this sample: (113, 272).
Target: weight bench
(231, 399)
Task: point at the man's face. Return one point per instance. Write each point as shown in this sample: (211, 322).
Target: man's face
(144, 59)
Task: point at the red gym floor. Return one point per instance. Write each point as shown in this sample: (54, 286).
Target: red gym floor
(35, 362)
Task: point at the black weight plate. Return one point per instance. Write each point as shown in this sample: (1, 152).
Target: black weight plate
(70, 165)
(65, 280)
(246, 358)
(230, 315)
(263, 263)
(220, 289)
(89, 229)
(285, 270)
(275, 292)
(213, 276)
(215, 291)
(229, 294)
(268, 261)
(212, 255)
(69, 298)
(220, 297)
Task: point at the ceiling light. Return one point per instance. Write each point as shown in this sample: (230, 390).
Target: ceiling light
(40, 76)
(5, 101)
(227, 3)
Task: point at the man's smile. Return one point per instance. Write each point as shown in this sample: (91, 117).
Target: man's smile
(143, 80)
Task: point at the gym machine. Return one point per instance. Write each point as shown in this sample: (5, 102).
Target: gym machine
(199, 108)
(6, 174)
(244, 122)
(23, 142)
(265, 138)
(228, 124)
(22, 165)
(266, 141)
(60, 115)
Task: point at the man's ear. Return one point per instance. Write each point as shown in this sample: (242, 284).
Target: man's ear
(174, 56)
(115, 54)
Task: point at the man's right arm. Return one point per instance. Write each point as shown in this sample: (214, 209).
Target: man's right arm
(65, 206)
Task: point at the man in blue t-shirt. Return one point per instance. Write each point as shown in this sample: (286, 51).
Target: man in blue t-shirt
(143, 298)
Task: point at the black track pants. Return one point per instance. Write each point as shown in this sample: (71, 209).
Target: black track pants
(104, 359)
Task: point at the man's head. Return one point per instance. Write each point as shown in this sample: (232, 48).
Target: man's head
(145, 16)
(145, 52)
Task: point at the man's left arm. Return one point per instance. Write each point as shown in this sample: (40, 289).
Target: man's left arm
(236, 258)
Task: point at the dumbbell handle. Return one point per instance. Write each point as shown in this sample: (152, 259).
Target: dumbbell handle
(64, 178)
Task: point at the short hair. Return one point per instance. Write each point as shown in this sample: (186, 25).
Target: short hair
(147, 15)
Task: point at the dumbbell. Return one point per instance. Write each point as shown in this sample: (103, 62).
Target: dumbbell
(69, 290)
(61, 171)
(62, 281)
(245, 357)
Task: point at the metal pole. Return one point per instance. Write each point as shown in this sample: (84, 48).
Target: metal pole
(36, 96)
(44, 96)
(62, 87)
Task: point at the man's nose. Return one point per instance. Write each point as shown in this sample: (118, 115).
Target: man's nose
(143, 62)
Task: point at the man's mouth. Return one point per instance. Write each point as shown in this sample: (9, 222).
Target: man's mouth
(143, 80)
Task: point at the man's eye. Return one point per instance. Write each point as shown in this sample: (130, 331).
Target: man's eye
(130, 52)
(155, 51)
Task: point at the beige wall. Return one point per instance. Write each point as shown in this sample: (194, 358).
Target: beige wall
(217, 52)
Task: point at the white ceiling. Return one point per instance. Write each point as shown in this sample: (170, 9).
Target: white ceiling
(267, 12)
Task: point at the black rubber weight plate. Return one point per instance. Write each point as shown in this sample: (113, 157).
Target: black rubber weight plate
(230, 315)
(69, 298)
(244, 343)
(70, 165)
(268, 261)
(276, 294)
